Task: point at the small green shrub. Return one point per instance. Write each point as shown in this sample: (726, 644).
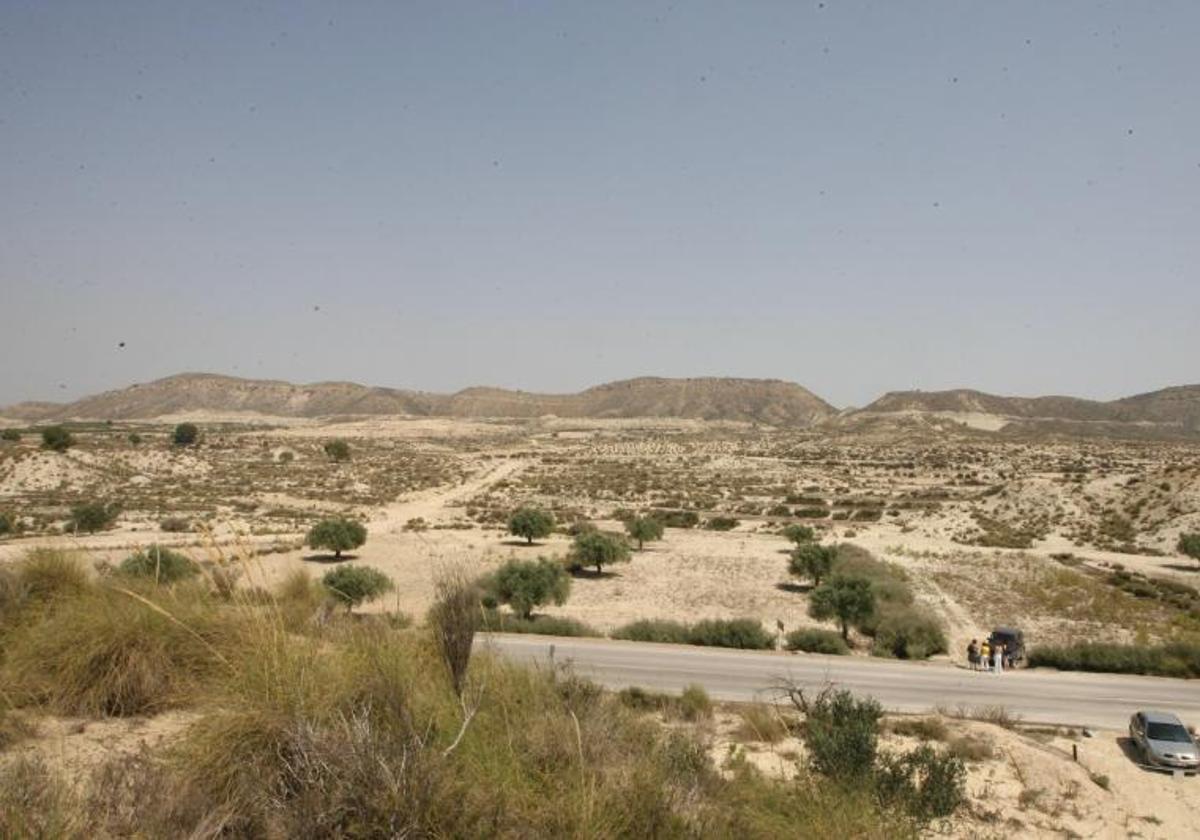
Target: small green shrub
(337, 450)
(543, 625)
(57, 439)
(8, 524)
(923, 728)
(10, 435)
(842, 735)
(135, 439)
(353, 585)
(185, 434)
(158, 564)
(92, 517)
(677, 518)
(811, 640)
(1189, 545)
(813, 561)
(908, 633)
(694, 703)
(721, 523)
(924, 783)
(799, 534)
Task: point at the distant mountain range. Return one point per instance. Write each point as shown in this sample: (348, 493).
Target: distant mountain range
(1170, 412)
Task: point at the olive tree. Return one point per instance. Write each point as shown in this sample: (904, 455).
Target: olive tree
(848, 600)
(598, 549)
(337, 535)
(525, 584)
(353, 585)
(644, 529)
(531, 523)
(811, 560)
(799, 534)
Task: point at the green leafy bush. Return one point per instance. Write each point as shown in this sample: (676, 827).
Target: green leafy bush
(135, 439)
(798, 534)
(1173, 659)
(11, 435)
(8, 524)
(175, 525)
(1189, 545)
(653, 630)
(545, 625)
(908, 633)
(924, 783)
(721, 523)
(842, 735)
(745, 633)
(531, 524)
(185, 434)
(337, 535)
(57, 439)
(158, 564)
(92, 517)
(677, 518)
(337, 450)
(694, 703)
(817, 641)
(354, 585)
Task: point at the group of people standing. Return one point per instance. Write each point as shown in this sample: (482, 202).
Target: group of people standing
(990, 656)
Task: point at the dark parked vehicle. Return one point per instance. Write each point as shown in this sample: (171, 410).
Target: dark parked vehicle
(1162, 741)
(1013, 641)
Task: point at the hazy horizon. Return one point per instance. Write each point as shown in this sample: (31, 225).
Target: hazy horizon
(857, 197)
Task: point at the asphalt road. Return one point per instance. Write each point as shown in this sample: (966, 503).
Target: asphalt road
(1103, 701)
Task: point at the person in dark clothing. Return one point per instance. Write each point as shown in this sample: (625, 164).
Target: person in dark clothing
(973, 655)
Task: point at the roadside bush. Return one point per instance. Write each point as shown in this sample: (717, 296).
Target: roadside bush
(57, 439)
(337, 535)
(158, 564)
(817, 641)
(526, 584)
(531, 524)
(454, 618)
(744, 633)
(92, 517)
(354, 585)
(543, 625)
(185, 434)
(908, 633)
(721, 523)
(1173, 659)
(10, 435)
(653, 630)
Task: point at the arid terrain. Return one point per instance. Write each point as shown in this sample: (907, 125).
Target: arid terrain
(1070, 538)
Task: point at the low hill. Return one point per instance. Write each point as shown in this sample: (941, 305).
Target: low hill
(766, 401)
(1175, 410)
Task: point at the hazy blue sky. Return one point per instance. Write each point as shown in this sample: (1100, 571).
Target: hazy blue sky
(858, 196)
